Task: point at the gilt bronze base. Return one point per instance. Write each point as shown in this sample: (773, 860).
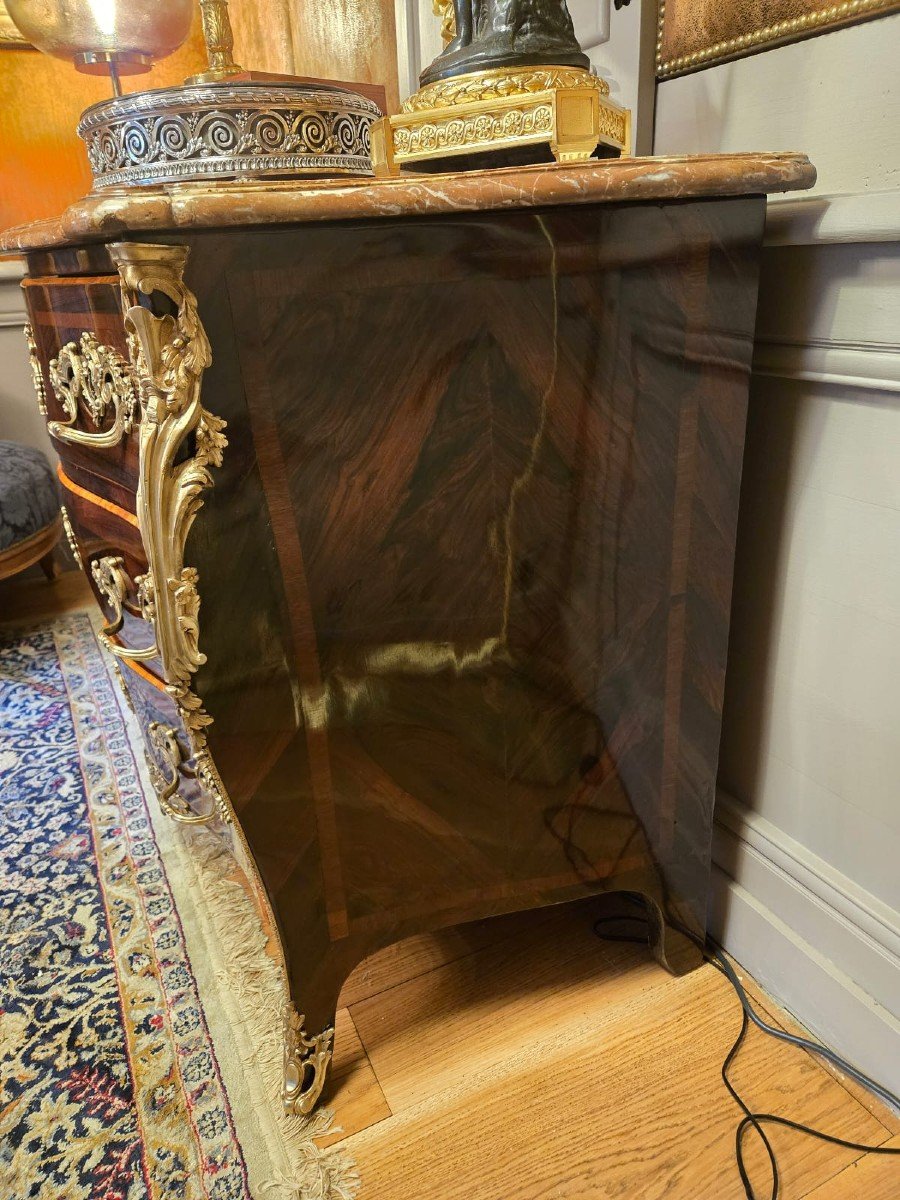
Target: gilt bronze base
(521, 110)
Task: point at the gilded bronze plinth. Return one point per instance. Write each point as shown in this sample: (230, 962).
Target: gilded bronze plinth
(509, 109)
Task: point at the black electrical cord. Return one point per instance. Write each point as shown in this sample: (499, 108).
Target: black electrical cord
(751, 1119)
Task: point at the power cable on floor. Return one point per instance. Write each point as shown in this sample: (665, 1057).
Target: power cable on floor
(754, 1120)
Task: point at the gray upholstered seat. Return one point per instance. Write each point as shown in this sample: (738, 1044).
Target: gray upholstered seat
(29, 500)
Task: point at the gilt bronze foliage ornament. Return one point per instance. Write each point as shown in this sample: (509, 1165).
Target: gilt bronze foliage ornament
(170, 354)
(37, 375)
(306, 1061)
(96, 377)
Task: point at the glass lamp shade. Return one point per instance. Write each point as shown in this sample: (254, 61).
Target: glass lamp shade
(92, 33)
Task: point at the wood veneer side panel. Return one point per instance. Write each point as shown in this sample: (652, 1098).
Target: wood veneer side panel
(719, 357)
(249, 682)
(588, 316)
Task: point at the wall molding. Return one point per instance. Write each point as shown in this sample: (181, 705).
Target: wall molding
(12, 302)
(789, 918)
(409, 54)
(867, 366)
(853, 217)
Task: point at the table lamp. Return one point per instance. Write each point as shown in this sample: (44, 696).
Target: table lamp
(223, 123)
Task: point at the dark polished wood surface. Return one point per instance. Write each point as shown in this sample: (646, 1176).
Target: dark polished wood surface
(466, 567)
(475, 527)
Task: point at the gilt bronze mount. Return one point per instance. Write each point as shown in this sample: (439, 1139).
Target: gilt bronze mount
(565, 109)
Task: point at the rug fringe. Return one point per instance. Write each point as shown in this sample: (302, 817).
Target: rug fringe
(256, 981)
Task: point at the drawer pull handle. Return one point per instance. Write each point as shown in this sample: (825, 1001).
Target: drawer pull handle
(101, 378)
(164, 740)
(113, 582)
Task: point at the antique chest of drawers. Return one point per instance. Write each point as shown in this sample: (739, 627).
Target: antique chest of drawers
(410, 507)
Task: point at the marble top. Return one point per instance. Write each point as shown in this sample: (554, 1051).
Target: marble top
(112, 214)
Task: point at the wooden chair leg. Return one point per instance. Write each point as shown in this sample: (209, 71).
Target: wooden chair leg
(49, 565)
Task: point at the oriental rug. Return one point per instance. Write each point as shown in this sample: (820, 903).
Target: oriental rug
(131, 964)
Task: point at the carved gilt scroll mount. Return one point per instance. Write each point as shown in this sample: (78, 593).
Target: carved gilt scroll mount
(70, 536)
(170, 354)
(306, 1061)
(36, 373)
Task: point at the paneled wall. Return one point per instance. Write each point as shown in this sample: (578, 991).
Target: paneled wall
(808, 841)
(20, 420)
(340, 39)
(834, 96)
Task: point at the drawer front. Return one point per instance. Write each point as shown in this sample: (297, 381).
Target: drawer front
(107, 543)
(118, 362)
(168, 750)
(84, 376)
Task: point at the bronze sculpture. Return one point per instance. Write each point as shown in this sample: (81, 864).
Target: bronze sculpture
(505, 33)
(512, 83)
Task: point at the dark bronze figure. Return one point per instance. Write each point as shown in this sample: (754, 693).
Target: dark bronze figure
(507, 33)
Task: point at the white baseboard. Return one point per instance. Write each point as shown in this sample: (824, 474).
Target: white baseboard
(12, 302)
(864, 366)
(818, 943)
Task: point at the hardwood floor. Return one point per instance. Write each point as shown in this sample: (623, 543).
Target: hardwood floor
(25, 598)
(525, 1059)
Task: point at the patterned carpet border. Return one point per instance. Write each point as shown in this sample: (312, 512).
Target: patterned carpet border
(111, 1088)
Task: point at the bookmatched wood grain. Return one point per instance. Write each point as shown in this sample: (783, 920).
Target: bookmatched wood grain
(466, 566)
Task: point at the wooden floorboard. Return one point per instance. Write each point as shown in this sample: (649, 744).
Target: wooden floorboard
(417, 956)
(23, 599)
(870, 1177)
(774, 1014)
(362, 1100)
(550, 1066)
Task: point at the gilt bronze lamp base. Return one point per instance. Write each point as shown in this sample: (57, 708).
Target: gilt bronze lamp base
(520, 111)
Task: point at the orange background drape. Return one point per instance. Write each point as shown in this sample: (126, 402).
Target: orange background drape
(43, 166)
